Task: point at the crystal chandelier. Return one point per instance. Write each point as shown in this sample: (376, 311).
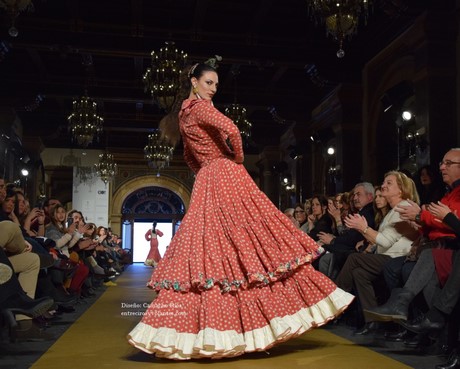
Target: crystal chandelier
(13, 8)
(238, 114)
(158, 152)
(341, 17)
(84, 175)
(84, 123)
(106, 169)
(162, 79)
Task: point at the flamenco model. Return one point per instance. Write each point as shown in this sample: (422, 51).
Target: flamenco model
(237, 276)
(154, 255)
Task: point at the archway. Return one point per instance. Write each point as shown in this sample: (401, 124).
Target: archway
(124, 190)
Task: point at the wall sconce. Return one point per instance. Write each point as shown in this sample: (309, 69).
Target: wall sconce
(286, 180)
(406, 115)
(335, 171)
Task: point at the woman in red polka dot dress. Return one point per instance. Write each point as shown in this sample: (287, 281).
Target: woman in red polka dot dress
(153, 256)
(237, 276)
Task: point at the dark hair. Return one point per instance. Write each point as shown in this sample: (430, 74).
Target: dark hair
(73, 211)
(379, 214)
(435, 190)
(323, 200)
(169, 125)
(12, 194)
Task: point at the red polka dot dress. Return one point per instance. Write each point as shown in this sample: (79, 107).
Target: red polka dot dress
(237, 276)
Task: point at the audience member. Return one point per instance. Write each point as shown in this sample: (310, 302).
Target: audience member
(429, 185)
(339, 247)
(319, 220)
(362, 269)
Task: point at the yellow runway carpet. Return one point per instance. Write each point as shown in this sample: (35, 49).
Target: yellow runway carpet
(98, 340)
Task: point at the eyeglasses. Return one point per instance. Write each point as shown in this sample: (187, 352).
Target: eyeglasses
(448, 163)
(299, 211)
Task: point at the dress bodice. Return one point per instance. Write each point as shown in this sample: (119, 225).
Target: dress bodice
(205, 131)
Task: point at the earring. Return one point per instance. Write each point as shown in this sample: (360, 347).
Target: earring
(195, 90)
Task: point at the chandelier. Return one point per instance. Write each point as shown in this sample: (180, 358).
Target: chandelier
(158, 152)
(237, 113)
(13, 8)
(84, 123)
(341, 17)
(106, 169)
(162, 80)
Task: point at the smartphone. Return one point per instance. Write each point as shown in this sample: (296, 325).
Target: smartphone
(69, 221)
(40, 204)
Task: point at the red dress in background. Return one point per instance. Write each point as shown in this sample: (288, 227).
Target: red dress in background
(237, 276)
(154, 253)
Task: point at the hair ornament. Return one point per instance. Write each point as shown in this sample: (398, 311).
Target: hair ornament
(213, 61)
(192, 69)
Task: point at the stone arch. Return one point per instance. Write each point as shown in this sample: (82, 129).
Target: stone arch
(127, 188)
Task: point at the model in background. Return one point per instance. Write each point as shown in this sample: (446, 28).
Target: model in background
(154, 254)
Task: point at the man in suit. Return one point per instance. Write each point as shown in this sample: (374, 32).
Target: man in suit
(339, 247)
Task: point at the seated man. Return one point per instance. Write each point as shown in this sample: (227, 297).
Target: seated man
(341, 246)
(440, 235)
(441, 291)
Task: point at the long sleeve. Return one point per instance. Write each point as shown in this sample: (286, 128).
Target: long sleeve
(61, 239)
(348, 240)
(432, 225)
(387, 235)
(324, 224)
(453, 222)
(74, 240)
(208, 116)
(388, 239)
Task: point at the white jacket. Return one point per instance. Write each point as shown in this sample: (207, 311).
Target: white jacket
(389, 241)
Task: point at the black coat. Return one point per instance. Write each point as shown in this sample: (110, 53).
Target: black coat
(346, 242)
(323, 224)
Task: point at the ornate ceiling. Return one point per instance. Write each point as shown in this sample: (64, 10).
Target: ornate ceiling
(285, 63)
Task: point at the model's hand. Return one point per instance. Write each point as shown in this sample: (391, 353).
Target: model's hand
(239, 159)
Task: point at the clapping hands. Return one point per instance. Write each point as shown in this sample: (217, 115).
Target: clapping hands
(439, 210)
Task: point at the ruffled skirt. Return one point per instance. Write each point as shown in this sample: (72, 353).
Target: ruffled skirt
(237, 276)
